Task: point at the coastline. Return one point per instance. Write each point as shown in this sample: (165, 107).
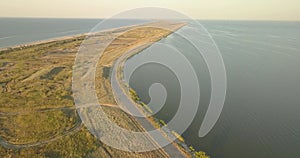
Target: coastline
(68, 37)
(179, 142)
(41, 42)
(173, 149)
(144, 109)
(54, 54)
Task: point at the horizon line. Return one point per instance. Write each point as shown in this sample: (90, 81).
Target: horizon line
(101, 18)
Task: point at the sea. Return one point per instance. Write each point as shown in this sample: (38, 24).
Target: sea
(261, 114)
(18, 31)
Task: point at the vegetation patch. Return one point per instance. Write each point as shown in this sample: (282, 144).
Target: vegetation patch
(106, 72)
(36, 102)
(134, 95)
(50, 75)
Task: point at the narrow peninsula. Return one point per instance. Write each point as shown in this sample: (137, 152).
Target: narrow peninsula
(38, 117)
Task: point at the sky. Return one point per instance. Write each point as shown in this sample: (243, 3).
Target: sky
(198, 9)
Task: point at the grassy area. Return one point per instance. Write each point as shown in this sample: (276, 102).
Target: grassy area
(35, 83)
(36, 103)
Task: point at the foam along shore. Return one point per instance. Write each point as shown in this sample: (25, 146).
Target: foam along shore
(37, 102)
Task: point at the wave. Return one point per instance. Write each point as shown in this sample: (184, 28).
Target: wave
(274, 36)
(66, 32)
(3, 38)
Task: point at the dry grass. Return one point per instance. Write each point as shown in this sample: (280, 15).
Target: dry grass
(39, 77)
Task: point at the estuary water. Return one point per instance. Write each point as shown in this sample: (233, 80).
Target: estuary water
(261, 115)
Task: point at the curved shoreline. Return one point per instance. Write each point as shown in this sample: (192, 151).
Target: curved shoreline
(119, 87)
(133, 40)
(185, 149)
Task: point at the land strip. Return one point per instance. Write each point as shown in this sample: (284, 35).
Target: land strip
(38, 117)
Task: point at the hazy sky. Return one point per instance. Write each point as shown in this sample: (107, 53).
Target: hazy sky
(200, 9)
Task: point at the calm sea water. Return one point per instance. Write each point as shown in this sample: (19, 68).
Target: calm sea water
(16, 31)
(261, 115)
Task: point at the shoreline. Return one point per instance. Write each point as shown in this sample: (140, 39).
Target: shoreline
(150, 33)
(179, 141)
(68, 37)
(61, 52)
(40, 42)
(181, 145)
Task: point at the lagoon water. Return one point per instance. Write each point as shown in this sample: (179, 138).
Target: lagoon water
(261, 115)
